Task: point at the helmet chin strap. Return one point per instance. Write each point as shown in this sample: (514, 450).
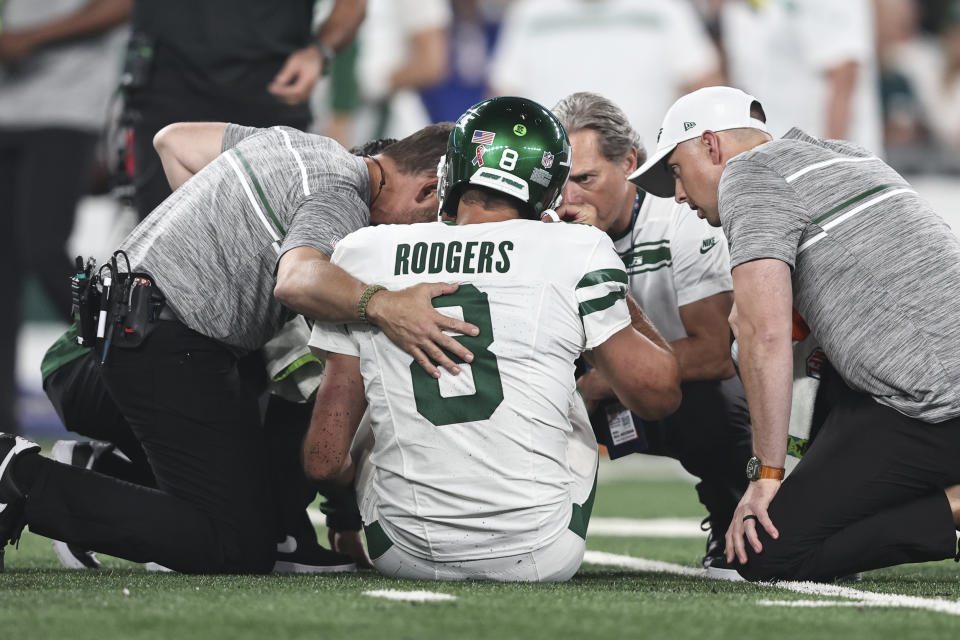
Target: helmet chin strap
(549, 215)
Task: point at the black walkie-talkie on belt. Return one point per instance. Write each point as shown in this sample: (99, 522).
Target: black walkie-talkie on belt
(114, 308)
(86, 298)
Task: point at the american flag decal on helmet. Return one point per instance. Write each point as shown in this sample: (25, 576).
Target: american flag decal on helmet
(483, 137)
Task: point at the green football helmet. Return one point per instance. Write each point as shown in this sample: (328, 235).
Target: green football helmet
(512, 145)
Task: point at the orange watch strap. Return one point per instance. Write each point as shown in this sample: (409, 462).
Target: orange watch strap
(771, 473)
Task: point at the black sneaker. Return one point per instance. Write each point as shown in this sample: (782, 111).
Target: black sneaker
(12, 499)
(310, 558)
(716, 546)
(83, 455)
(715, 559)
(715, 549)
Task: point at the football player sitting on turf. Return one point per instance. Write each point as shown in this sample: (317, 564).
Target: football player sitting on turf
(483, 475)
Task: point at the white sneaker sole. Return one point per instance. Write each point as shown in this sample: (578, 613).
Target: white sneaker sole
(729, 575)
(68, 559)
(285, 566)
(62, 451)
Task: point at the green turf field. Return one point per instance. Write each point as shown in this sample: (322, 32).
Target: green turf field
(40, 600)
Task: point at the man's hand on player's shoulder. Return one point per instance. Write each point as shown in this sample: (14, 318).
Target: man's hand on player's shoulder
(409, 319)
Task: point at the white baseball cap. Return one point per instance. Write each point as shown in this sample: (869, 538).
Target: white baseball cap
(709, 109)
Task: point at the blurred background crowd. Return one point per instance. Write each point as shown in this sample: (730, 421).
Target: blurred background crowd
(74, 120)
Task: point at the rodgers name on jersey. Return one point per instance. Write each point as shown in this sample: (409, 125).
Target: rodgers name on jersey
(453, 257)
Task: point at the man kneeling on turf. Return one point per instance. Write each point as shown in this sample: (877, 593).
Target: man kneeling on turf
(484, 475)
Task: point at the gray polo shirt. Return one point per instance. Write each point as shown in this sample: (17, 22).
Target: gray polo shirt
(213, 246)
(876, 272)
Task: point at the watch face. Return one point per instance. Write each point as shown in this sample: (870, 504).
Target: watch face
(753, 468)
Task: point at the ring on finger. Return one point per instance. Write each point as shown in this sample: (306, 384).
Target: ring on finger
(750, 517)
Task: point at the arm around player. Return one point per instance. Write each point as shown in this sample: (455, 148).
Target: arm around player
(648, 381)
(306, 280)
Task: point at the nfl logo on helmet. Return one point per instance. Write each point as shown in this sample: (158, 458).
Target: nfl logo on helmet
(547, 160)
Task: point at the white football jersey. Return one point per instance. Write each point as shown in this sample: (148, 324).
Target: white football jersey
(673, 258)
(475, 466)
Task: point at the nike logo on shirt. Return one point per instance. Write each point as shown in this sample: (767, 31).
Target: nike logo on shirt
(708, 244)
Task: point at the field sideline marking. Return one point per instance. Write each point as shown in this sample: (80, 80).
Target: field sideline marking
(865, 598)
(646, 528)
(410, 596)
(816, 604)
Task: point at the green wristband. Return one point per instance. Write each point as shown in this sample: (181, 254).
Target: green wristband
(365, 300)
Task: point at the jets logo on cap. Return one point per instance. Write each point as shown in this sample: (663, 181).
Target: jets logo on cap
(688, 125)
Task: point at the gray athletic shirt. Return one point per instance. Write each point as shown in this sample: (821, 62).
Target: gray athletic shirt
(876, 272)
(213, 245)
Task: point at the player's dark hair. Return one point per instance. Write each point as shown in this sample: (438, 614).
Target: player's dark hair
(491, 199)
(420, 152)
(373, 147)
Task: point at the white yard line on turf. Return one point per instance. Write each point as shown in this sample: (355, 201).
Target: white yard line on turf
(816, 604)
(648, 528)
(866, 598)
(410, 596)
(641, 564)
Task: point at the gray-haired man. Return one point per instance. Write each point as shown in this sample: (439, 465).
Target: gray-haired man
(679, 271)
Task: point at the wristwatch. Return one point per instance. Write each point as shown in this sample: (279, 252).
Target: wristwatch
(756, 470)
(326, 56)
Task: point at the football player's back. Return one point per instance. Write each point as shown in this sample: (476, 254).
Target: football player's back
(482, 457)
